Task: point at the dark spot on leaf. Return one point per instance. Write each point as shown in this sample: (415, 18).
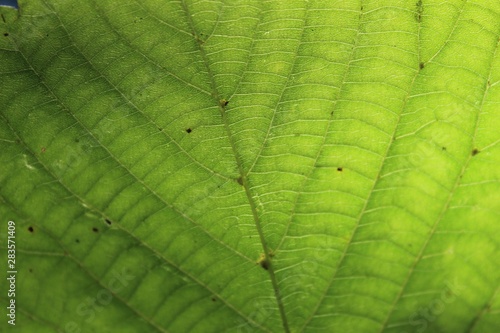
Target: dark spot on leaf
(95, 229)
(240, 180)
(30, 229)
(421, 65)
(189, 130)
(160, 129)
(108, 221)
(419, 11)
(77, 240)
(223, 102)
(331, 113)
(6, 34)
(340, 169)
(263, 261)
(214, 299)
(475, 151)
(77, 140)
(43, 150)
(30, 270)
(443, 148)
(361, 7)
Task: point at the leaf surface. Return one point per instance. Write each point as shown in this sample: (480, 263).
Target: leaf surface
(252, 166)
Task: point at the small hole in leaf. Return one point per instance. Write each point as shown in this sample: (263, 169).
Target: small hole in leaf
(475, 151)
(340, 169)
(6, 34)
(30, 229)
(95, 229)
(108, 222)
(189, 130)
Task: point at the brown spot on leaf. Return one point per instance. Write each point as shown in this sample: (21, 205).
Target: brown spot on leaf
(475, 151)
(263, 261)
(30, 229)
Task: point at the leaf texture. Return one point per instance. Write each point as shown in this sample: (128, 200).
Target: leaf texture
(252, 166)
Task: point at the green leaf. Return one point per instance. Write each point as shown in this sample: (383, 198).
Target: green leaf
(251, 166)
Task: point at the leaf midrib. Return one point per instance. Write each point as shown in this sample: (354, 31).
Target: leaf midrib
(222, 109)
